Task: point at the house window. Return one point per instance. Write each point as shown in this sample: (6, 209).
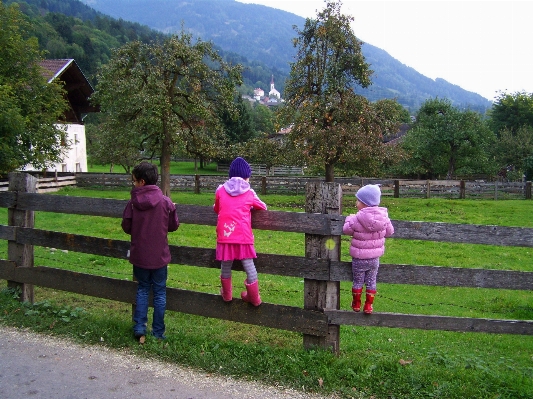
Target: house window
(63, 167)
(78, 167)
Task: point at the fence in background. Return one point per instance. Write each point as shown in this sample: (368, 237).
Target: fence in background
(321, 268)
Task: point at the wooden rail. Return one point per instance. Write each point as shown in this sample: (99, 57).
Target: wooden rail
(316, 319)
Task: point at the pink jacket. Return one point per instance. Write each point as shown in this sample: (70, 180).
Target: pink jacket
(233, 202)
(368, 227)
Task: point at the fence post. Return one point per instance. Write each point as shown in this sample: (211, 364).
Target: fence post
(528, 190)
(325, 198)
(462, 189)
(21, 254)
(428, 189)
(396, 189)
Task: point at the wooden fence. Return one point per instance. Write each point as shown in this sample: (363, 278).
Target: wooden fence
(319, 319)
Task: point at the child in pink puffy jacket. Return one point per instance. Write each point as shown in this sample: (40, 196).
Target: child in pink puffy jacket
(368, 227)
(234, 201)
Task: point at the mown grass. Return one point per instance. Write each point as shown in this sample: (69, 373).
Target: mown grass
(176, 168)
(373, 362)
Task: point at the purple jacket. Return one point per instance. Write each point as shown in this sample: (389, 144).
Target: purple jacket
(368, 227)
(148, 217)
(234, 201)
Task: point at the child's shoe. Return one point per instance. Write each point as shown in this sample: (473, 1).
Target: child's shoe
(370, 294)
(252, 293)
(356, 302)
(226, 291)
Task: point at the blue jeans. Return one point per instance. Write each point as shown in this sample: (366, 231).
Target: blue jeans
(156, 280)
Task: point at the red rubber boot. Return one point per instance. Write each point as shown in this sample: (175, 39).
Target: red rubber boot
(370, 294)
(356, 302)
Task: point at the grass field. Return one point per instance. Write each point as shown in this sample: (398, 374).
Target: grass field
(373, 362)
(176, 168)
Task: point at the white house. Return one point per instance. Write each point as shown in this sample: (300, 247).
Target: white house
(78, 92)
(259, 94)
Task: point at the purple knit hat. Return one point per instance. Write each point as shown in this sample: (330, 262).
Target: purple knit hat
(370, 195)
(240, 168)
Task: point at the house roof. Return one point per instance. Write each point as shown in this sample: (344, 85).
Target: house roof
(75, 83)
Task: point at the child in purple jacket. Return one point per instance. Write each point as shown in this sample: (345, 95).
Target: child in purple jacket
(148, 217)
(368, 227)
(234, 201)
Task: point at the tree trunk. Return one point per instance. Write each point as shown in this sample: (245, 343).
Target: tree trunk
(165, 167)
(451, 168)
(330, 173)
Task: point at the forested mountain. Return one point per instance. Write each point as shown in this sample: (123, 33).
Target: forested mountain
(256, 36)
(71, 29)
(265, 34)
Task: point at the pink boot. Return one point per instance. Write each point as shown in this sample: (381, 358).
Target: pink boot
(252, 293)
(226, 290)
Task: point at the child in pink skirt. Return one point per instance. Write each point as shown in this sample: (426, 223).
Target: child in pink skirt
(234, 201)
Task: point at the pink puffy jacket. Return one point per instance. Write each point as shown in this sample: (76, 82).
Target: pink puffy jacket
(368, 227)
(234, 201)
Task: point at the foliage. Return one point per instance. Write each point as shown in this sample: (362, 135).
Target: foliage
(108, 147)
(514, 147)
(164, 95)
(30, 108)
(511, 112)
(238, 126)
(445, 141)
(263, 119)
(329, 123)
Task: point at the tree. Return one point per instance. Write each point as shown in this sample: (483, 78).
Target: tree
(512, 111)
(238, 127)
(330, 124)
(168, 95)
(514, 148)
(263, 119)
(107, 147)
(446, 140)
(30, 108)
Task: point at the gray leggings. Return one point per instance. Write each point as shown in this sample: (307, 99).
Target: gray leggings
(247, 264)
(365, 271)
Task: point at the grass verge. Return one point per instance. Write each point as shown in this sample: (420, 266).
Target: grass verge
(374, 362)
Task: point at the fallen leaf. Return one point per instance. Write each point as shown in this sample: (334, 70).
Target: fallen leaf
(404, 362)
(320, 382)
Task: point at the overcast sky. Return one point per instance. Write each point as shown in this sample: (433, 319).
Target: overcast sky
(482, 46)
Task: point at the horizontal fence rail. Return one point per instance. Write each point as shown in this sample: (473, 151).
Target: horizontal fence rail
(311, 320)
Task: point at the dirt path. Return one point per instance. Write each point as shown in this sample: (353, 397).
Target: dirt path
(40, 367)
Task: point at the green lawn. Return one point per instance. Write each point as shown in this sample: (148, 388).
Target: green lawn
(373, 362)
(176, 168)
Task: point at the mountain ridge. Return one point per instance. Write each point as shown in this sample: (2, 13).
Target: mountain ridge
(264, 34)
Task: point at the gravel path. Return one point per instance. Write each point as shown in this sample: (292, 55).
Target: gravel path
(41, 367)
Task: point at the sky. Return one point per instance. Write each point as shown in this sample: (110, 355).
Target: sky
(482, 46)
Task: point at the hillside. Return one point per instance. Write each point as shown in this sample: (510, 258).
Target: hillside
(263, 34)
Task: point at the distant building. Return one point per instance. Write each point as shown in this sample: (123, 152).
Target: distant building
(273, 91)
(259, 94)
(78, 92)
